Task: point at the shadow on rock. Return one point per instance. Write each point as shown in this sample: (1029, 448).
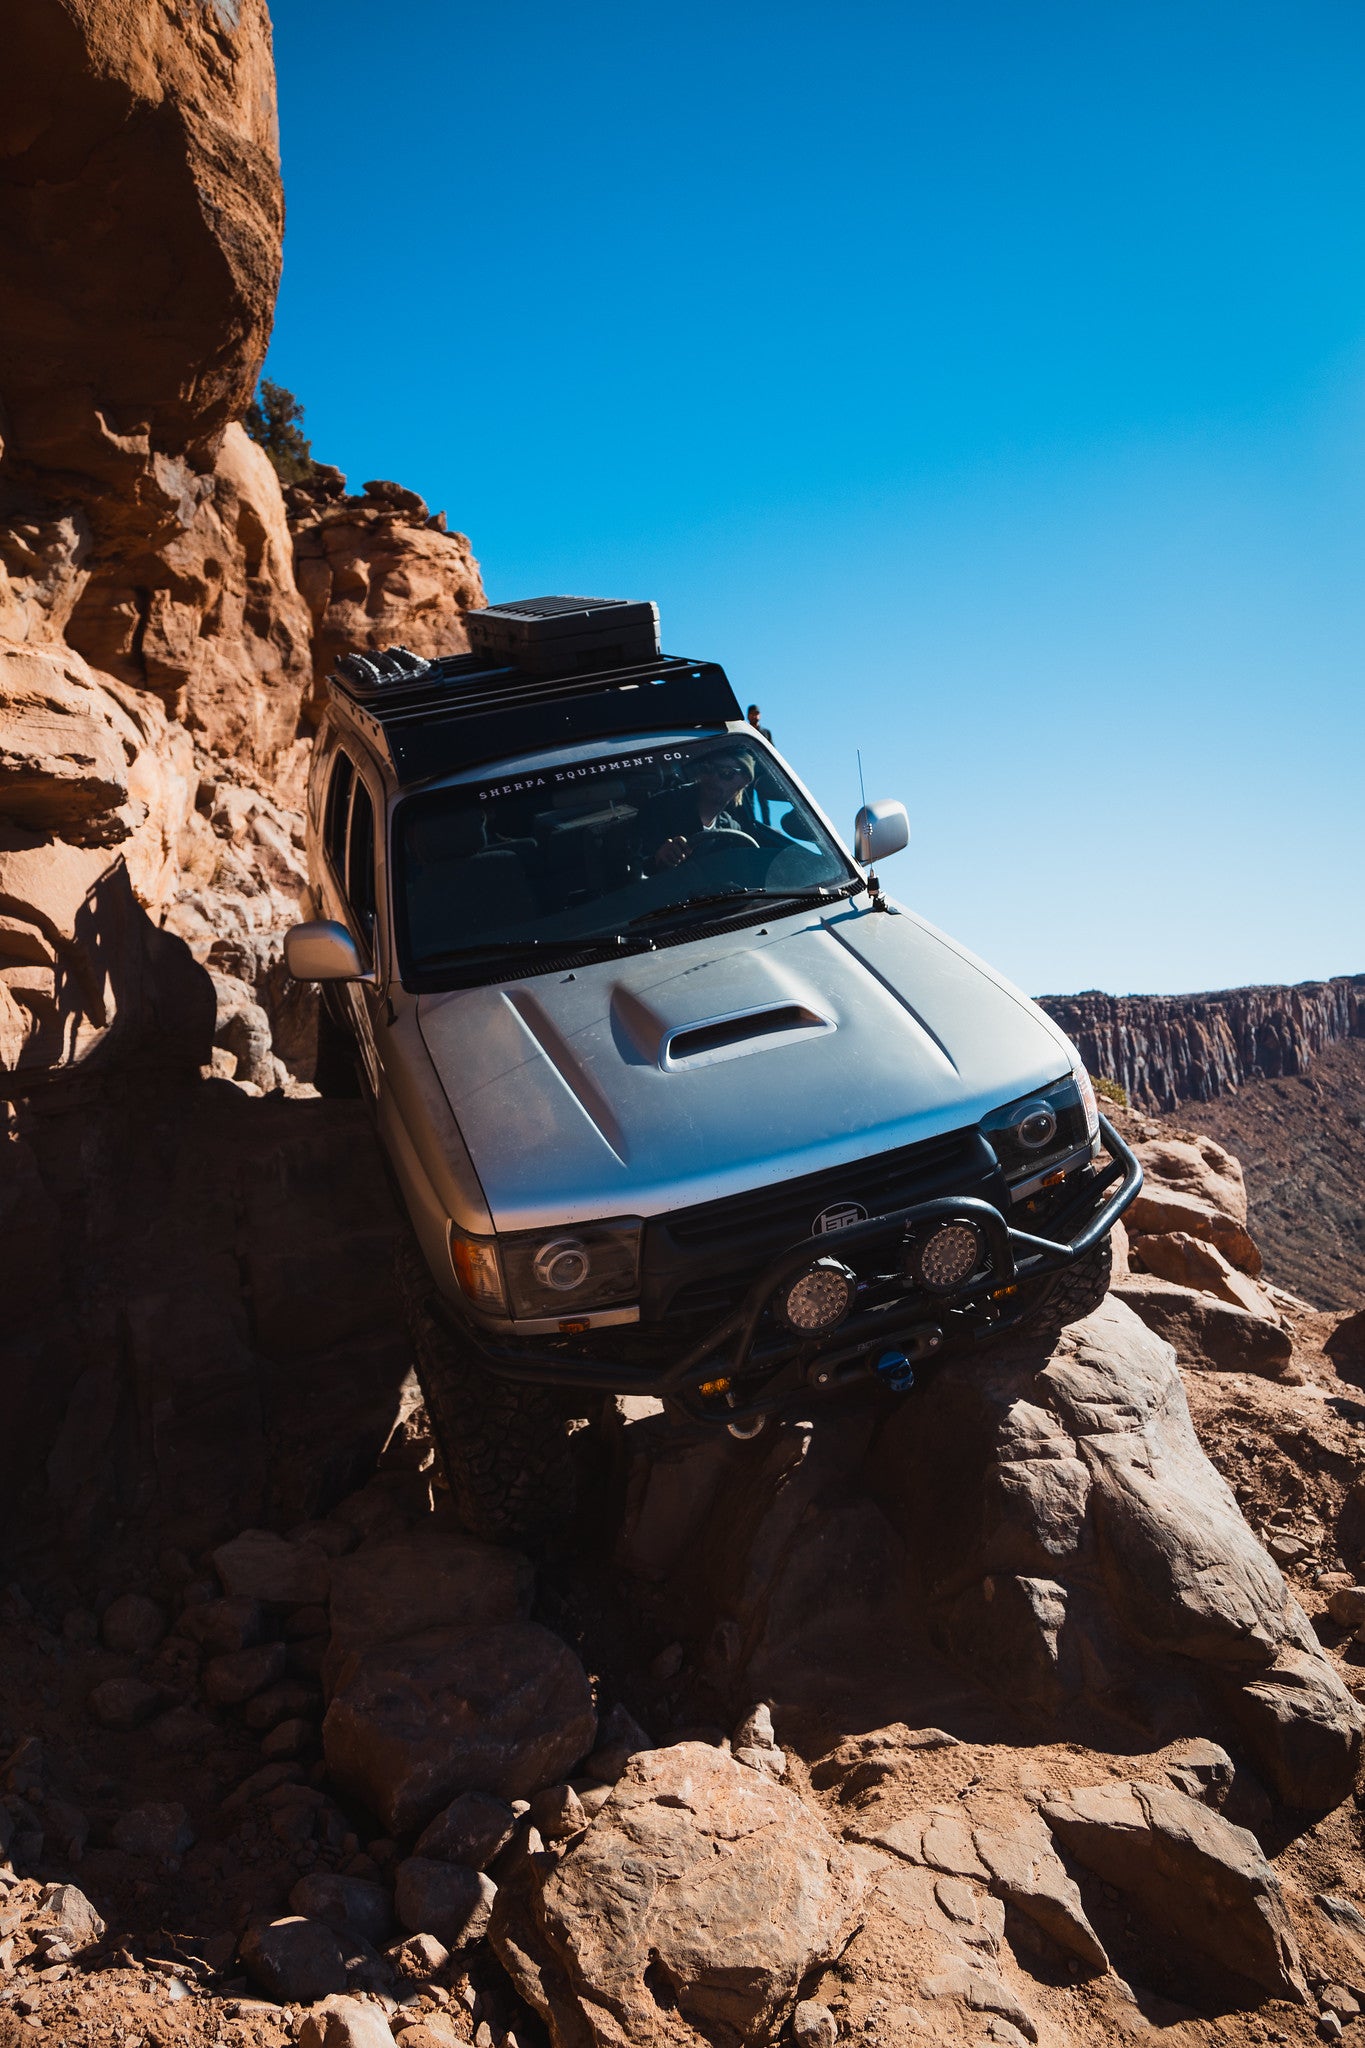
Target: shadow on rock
(1042, 1519)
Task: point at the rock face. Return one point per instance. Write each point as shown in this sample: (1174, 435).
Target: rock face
(157, 665)
(377, 571)
(154, 154)
(1170, 1049)
(691, 1910)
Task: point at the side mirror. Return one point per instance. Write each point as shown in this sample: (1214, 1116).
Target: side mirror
(324, 951)
(879, 830)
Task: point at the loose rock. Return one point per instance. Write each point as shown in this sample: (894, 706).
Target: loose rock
(159, 1832)
(504, 1709)
(340, 2022)
(132, 1625)
(294, 1960)
(258, 1565)
(348, 1905)
(473, 1829)
(240, 1674)
(448, 1900)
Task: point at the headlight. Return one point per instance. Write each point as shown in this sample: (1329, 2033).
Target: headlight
(568, 1272)
(1048, 1124)
(549, 1273)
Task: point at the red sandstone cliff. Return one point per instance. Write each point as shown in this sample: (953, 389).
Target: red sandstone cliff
(159, 659)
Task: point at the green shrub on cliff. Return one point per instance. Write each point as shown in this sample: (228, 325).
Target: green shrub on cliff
(274, 420)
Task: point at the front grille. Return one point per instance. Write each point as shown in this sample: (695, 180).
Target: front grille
(888, 1180)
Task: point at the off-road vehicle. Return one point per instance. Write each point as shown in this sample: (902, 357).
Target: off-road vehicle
(678, 1101)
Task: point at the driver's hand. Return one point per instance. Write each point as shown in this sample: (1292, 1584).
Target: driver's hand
(672, 853)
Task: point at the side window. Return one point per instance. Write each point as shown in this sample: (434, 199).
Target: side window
(334, 820)
(360, 861)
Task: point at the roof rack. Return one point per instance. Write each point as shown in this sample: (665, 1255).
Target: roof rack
(433, 717)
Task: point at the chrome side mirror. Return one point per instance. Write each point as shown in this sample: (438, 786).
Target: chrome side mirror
(324, 951)
(879, 830)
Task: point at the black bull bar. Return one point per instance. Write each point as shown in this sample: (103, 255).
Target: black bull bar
(731, 1349)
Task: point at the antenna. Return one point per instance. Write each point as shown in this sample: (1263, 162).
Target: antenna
(862, 786)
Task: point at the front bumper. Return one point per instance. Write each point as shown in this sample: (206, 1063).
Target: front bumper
(765, 1368)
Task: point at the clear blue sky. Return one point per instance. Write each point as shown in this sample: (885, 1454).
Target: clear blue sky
(983, 384)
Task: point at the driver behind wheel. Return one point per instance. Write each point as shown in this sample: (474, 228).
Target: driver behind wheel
(673, 825)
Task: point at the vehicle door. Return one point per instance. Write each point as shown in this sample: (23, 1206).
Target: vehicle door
(349, 844)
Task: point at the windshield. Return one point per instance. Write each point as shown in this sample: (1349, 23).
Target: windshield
(624, 845)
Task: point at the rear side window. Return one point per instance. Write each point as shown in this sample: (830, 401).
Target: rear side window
(360, 863)
(334, 821)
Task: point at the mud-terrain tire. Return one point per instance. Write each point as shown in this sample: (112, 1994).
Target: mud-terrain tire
(504, 1446)
(335, 1072)
(1073, 1292)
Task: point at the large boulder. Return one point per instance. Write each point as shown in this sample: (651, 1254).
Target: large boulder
(1204, 1882)
(1207, 1333)
(401, 1585)
(505, 1709)
(1192, 1262)
(1158, 1210)
(690, 1911)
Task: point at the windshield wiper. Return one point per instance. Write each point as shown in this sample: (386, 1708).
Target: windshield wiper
(818, 895)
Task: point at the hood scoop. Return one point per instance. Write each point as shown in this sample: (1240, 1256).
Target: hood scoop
(719, 1011)
(720, 1038)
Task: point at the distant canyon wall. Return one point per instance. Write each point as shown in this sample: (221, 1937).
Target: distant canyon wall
(1170, 1049)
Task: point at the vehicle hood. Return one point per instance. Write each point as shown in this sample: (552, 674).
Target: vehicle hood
(632, 1087)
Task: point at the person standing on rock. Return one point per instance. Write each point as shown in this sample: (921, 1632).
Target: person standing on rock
(754, 714)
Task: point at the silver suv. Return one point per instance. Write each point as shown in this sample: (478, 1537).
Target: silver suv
(678, 1102)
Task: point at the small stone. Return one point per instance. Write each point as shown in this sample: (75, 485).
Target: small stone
(1336, 1998)
(558, 1813)
(1287, 1549)
(756, 1730)
(419, 1957)
(448, 1900)
(773, 1762)
(294, 1960)
(160, 1832)
(1329, 2026)
(473, 1829)
(125, 1702)
(348, 1905)
(1346, 1605)
(68, 1907)
(814, 2025)
(258, 1565)
(291, 1738)
(340, 2022)
(222, 1625)
(132, 1625)
(288, 1702)
(240, 1674)
(619, 1738)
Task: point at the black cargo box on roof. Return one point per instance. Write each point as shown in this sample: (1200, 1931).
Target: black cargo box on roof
(563, 636)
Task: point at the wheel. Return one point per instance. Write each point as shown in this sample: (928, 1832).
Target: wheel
(1073, 1292)
(334, 1070)
(504, 1447)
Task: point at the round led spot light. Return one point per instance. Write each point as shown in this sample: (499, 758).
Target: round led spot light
(818, 1299)
(1036, 1126)
(948, 1256)
(563, 1264)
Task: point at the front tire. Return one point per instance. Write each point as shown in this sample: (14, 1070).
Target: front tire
(1076, 1291)
(504, 1447)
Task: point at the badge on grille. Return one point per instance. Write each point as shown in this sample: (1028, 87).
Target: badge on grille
(838, 1216)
